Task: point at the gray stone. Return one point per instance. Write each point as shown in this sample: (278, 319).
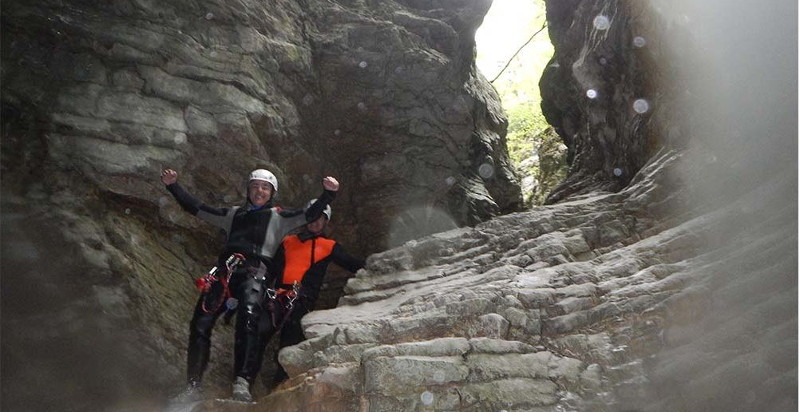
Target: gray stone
(490, 325)
(487, 368)
(517, 393)
(411, 374)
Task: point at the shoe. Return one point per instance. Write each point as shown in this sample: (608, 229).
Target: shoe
(192, 393)
(241, 390)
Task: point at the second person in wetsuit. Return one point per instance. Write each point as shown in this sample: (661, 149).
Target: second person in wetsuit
(300, 262)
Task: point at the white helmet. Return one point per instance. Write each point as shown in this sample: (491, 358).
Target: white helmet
(327, 212)
(265, 175)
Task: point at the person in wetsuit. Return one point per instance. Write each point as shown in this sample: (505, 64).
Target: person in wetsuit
(253, 231)
(300, 262)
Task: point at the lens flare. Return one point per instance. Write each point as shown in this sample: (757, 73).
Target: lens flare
(438, 376)
(427, 398)
(641, 106)
(486, 170)
(601, 22)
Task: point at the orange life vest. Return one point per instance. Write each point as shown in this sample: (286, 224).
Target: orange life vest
(300, 256)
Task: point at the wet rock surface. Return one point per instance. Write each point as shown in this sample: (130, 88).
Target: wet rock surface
(600, 89)
(97, 98)
(679, 285)
(592, 304)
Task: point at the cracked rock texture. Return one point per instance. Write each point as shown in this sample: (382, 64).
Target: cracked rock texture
(97, 97)
(676, 293)
(670, 285)
(600, 303)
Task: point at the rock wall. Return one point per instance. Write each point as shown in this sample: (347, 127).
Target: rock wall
(598, 88)
(593, 304)
(676, 293)
(97, 97)
(669, 285)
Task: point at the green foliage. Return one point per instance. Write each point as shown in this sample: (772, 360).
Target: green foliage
(525, 122)
(534, 148)
(552, 166)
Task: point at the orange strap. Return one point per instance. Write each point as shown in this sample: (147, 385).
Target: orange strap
(300, 256)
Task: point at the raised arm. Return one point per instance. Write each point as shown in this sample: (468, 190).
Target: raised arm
(219, 217)
(330, 186)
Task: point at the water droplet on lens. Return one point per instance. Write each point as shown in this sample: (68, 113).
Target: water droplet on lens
(308, 99)
(438, 376)
(639, 41)
(601, 23)
(362, 64)
(127, 211)
(337, 132)
(591, 93)
(450, 181)
(641, 106)
(362, 106)
(209, 16)
(426, 397)
(486, 170)
(180, 138)
(618, 172)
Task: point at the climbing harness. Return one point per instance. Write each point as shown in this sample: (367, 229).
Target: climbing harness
(281, 303)
(215, 288)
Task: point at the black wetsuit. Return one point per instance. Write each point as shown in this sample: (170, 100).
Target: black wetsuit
(256, 233)
(303, 258)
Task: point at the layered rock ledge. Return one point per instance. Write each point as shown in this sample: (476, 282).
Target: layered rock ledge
(593, 304)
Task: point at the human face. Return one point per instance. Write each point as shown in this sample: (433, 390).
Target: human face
(259, 192)
(316, 227)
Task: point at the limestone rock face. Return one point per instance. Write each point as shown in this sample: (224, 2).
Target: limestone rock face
(597, 92)
(593, 304)
(677, 292)
(670, 285)
(97, 97)
(385, 97)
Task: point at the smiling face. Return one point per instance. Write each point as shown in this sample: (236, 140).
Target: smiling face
(259, 192)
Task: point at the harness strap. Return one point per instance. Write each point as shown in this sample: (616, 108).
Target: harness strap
(281, 303)
(231, 263)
